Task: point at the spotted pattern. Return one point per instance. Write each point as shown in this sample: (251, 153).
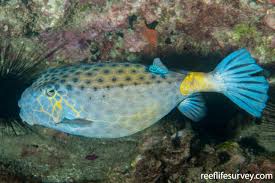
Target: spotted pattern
(104, 75)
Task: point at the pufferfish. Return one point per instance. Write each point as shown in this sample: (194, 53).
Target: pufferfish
(110, 100)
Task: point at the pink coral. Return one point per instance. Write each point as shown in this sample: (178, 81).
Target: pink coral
(74, 44)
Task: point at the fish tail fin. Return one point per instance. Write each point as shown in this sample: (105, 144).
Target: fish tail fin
(236, 78)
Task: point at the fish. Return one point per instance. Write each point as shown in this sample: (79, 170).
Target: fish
(112, 100)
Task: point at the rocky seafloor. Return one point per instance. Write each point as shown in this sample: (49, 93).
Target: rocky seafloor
(184, 34)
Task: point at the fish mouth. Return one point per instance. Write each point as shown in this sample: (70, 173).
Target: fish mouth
(26, 117)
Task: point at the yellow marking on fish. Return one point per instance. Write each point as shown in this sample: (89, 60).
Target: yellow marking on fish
(196, 82)
(45, 111)
(72, 108)
(56, 107)
(57, 103)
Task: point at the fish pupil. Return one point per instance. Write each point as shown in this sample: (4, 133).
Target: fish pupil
(50, 92)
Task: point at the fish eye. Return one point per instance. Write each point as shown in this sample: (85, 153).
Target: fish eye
(50, 92)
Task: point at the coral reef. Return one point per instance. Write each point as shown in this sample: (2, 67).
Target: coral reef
(126, 30)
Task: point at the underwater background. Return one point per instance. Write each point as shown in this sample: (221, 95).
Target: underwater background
(192, 35)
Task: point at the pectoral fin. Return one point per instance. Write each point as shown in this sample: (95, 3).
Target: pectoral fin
(78, 121)
(193, 107)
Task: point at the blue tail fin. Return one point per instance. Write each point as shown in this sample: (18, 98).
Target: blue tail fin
(235, 78)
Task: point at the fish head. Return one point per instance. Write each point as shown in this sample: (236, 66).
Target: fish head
(47, 104)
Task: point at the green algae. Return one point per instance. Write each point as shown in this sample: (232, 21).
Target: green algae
(244, 31)
(228, 146)
(247, 35)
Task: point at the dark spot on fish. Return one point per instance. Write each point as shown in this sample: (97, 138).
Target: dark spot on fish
(114, 79)
(90, 98)
(46, 75)
(89, 73)
(158, 81)
(54, 71)
(82, 87)
(128, 78)
(126, 65)
(56, 86)
(88, 82)
(153, 77)
(135, 83)
(103, 96)
(95, 88)
(121, 85)
(55, 79)
(108, 87)
(106, 71)
(163, 76)
(141, 77)
(100, 65)
(64, 75)
(62, 81)
(147, 82)
(120, 71)
(86, 68)
(133, 71)
(78, 73)
(96, 69)
(69, 87)
(113, 65)
(75, 80)
(73, 69)
(100, 80)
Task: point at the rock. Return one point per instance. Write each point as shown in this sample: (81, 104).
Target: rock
(49, 160)
(49, 13)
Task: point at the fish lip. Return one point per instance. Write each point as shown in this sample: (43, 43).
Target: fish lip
(25, 112)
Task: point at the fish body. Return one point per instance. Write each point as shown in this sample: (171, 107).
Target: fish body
(115, 99)
(110, 100)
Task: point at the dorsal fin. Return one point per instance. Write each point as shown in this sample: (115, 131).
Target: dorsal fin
(158, 67)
